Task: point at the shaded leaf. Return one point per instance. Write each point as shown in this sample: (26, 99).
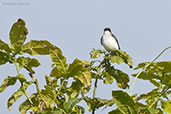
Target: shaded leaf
(154, 82)
(122, 79)
(7, 82)
(166, 79)
(95, 103)
(124, 102)
(18, 94)
(17, 34)
(28, 63)
(74, 90)
(4, 46)
(4, 57)
(115, 112)
(68, 106)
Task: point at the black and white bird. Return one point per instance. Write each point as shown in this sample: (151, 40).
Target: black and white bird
(109, 41)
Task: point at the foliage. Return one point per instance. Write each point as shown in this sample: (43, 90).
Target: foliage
(60, 97)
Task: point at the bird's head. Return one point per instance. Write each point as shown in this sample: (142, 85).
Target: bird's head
(107, 29)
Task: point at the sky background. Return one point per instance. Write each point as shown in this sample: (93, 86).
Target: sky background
(143, 29)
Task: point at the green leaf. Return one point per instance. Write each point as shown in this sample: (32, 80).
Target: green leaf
(68, 106)
(124, 57)
(36, 47)
(17, 35)
(4, 57)
(153, 110)
(80, 72)
(28, 63)
(84, 76)
(141, 65)
(58, 59)
(18, 94)
(166, 106)
(108, 78)
(4, 46)
(157, 70)
(56, 73)
(146, 76)
(96, 53)
(117, 59)
(7, 82)
(76, 65)
(124, 102)
(163, 65)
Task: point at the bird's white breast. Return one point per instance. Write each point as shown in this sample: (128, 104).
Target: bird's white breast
(109, 42)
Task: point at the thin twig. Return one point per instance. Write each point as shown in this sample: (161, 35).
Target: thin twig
(132, 86)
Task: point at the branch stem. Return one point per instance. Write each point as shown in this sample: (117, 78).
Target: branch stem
(132, 86)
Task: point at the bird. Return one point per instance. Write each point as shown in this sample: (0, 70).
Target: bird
(109, 41)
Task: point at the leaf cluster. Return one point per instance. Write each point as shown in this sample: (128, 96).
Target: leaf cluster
(68, 84)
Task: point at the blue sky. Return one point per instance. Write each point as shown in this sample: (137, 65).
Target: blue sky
(143, 29)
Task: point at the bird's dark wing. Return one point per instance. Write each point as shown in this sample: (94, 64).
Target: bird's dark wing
(101, 40)
(116, 40)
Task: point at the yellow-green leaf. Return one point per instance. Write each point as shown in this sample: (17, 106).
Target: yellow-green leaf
(24, 107)
(166, 106)
(4, 46)
(28, 63)
(58, 59)
(7, 82)
(18, 94)
(117, 59)
(42, 47)
(17, 35)
(84, 76)
(96, 53)
(4, 57)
